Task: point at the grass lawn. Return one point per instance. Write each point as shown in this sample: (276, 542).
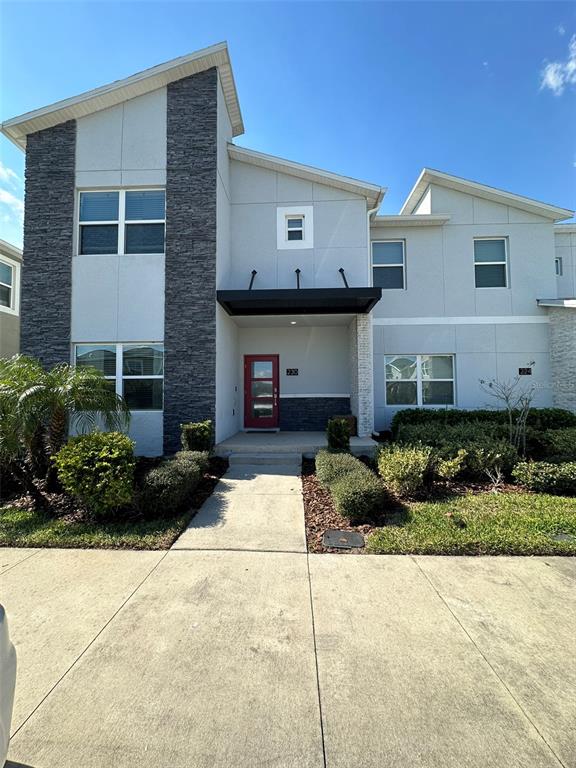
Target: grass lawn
(481, 524)
(30, 528)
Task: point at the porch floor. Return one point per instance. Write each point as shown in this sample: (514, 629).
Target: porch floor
(306, 443)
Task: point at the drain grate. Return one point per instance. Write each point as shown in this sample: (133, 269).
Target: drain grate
(343, 539)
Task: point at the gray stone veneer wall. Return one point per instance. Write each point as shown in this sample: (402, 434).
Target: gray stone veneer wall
(311, 413)
(190, 306)
(563, 356)
(46, 286)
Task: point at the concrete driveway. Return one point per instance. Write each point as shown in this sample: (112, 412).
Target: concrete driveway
(255, 656)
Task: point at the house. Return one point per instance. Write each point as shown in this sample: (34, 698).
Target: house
(207, 280)
(10, 267)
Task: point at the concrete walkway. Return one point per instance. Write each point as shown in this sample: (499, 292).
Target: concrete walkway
(237, 649)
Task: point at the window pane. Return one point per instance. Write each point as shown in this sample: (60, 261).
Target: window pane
(102, 357)
(401, 393)
(143, 394)
(387, 253)
(437, 393)
(294, 223)
(145, 205)
(99, 206)
(388, 277)
(261, 410)
(400, 367)
(295, 234)
(5, 274)
(144, 238)
(489, 250)
(436, 367)
(490, 275)
(143, 360)
(261, 389)
(102, 238)
(5, 296)
(262, 369)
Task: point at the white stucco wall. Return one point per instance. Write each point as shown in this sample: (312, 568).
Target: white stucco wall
(340, 236)
(565, 248)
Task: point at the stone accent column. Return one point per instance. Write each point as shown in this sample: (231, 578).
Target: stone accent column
(361, 376)
(563, 356)
(190, 298)
(46, 286)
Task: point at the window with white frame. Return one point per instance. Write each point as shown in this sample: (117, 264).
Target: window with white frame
(7, 285)
(558, 266)
(419, 380)
(122, 222)
(295, 227)
(135, 370)
(388, 264)
(491, 262)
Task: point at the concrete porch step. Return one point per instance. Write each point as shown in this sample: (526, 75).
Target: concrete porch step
(271, 459)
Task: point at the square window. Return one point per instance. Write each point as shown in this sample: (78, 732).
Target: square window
(99, 356)
(490, 275)
(143, 360)
(401, 393)
(144, 238)
(419, 380)
(437, 393)
(143, 394)
(149, 205)
(388, 277)
(294, 227)
(99, 206)
(98, 239)
(5, 296)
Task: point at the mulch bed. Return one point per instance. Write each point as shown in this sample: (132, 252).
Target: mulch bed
(320, 515)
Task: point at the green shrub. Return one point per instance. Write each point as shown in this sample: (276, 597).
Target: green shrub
(98, 469)
(448, 469)
(359, 495)
(538, 418)
(165, 489)
(198, 436)
(338, 434)
(330, 467)
(545, 477)
(201, 458)
(406, 469)
(559, 442)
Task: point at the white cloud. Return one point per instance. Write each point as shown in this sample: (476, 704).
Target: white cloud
(557, 75)
(14, 204)
(8, 176)
(561, 29)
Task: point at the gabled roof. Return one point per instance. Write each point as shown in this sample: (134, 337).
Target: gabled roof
(7, 249)
(430, 176)
(115, 93)
(374, 193)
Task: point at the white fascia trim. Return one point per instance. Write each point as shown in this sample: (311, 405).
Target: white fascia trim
(315, 394)
(411, 220)
(474, 320)
(565, 229)
(568, 303)
(372, 192)
(9, 250)
(430, 176)
(17, 128)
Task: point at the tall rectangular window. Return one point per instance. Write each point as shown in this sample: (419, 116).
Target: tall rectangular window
(6, 285)
(388, 264)
(136, 371)
(491, 262)
(419, 380)
(558, 266)
(122, 222)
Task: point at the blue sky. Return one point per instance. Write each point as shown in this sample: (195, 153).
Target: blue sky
(378, 90)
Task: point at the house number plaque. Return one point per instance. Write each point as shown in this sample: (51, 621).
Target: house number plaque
(525, 371)
(291, 371)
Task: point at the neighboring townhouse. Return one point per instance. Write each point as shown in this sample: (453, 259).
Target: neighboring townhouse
(208, 280)
(10, 267)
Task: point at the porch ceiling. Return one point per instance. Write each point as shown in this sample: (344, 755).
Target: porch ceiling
(299, 301)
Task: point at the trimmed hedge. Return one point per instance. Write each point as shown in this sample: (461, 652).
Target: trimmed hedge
(338, 434)
(559, 443)
(545, 477)
(197, 436)
(165, 489)
(406, 469)
(356, 491)
(538, 418)
(98, 469)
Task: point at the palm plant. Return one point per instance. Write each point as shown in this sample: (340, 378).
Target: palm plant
(38, 408)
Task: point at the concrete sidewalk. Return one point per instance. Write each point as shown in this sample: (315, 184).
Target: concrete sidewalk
(228, 652)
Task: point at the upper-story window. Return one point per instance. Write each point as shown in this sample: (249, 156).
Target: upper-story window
(491, 262)
(559, 266)
(388, 264)
(122, 221)
(295, 227)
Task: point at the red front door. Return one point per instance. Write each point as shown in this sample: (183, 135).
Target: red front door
(261, 391)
